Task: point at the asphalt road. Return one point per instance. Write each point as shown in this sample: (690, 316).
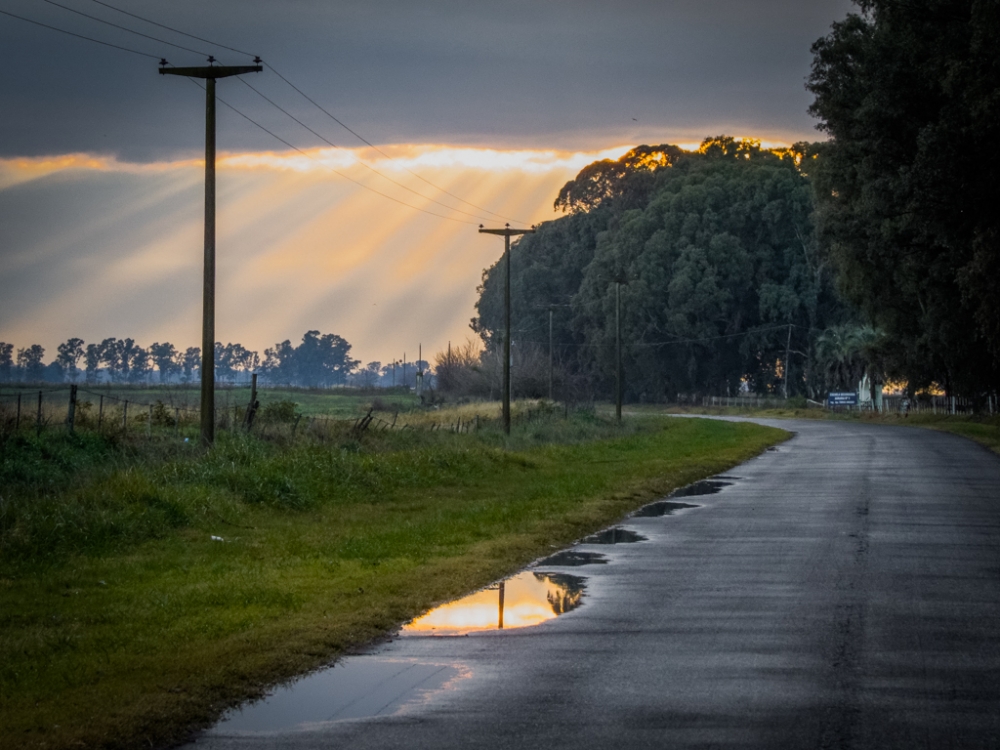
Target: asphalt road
(844, 592)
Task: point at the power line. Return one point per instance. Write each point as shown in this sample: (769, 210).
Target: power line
(316, 104)
(359, 161)
(79, 36)
(336, 172)
(372, 145)
(169, 28)
(122, 28)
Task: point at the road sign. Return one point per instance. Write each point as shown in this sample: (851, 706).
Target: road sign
(842, 399)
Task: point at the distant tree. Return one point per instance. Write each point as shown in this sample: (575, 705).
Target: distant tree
(320, 360)
(29, 362)
(113, 356)
(69, 354)
(165, 357)
(233, 359)
(92, 361)
(6, 362)
(323, 360)
(369, 376)
(138, 362)
(279, 363)
(191, 363)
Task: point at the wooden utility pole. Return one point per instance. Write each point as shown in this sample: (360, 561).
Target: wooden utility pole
(550, 355)
(788, 353)
(618, 351)
(209, 73)
(507, 233)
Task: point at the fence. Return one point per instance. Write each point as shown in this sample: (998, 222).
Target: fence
(73, 408)
(745, 402)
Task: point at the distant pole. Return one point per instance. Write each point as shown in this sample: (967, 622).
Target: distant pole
(404, 369)
(618, 351)
(550, 355)
(507, 233)
(788, 353)
(209, 73)
(38, 420)
(71, 414)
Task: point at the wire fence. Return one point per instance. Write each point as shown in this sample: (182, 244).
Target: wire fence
(73, 408)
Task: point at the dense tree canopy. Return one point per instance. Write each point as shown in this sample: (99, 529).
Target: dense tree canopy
(716, 254)
(910, 94)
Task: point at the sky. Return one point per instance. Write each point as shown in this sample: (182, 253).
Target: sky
(480, 112)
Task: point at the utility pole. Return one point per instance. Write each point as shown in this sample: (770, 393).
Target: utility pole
(788, 353)
(550, 355)
(209, 73)
(618, 351)
(507, 233)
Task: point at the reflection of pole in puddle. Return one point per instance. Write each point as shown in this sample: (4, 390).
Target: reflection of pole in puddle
(500, 618)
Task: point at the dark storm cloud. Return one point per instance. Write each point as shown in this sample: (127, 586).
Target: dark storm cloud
(564, 74)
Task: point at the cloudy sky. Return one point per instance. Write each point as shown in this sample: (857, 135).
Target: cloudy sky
(480, 110)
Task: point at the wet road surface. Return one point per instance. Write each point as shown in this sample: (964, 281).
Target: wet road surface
(840, 592)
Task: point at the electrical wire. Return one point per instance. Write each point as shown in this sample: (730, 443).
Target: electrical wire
(79, 36)
(383, 153)
(326, 112)
(170, 28)
(123, 28)
(359, 161)
(336, 172)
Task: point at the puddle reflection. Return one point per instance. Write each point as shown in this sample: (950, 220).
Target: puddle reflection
(526, 599)
(704, 487)
(661, 508)
(572, 558)
(616, 535)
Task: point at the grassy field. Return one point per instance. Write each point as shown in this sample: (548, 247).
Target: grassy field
(982, 429)
(146, 584)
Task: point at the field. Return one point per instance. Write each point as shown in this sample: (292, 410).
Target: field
(983, 429)
(147, 584)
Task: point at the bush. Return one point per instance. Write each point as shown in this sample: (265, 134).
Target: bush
(278, 412)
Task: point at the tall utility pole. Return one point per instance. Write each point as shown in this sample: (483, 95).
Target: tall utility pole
(618, 351)
(209, 74)
(507, 233)
(788, 353)
(550, 355)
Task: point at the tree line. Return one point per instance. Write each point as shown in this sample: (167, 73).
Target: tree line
(317, 361)
(741, 268)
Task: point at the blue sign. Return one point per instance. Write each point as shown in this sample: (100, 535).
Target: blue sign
(842, 399)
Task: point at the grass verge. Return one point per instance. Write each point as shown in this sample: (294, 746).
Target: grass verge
(125, 623)
(982, 429)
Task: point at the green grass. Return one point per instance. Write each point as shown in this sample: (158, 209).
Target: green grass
(124, 624)
(979, 428)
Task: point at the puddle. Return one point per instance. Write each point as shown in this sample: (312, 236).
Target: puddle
(526, 599)
(704, 487)
(357, 687)
(661, 508)
(616, 535)
(572, 558)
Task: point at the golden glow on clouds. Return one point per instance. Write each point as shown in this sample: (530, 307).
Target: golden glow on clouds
(299, 247)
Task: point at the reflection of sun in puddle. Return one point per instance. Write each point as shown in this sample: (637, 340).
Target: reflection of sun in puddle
(527, 599)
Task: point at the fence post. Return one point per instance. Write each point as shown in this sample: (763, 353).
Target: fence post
(252, 407)
(38, 421)
(125, 418)
(296, 425)
(177, 421)
(100, 413)
(17, 419)
(71, 415)
(149, 424)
